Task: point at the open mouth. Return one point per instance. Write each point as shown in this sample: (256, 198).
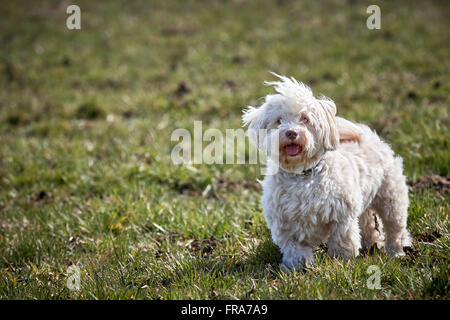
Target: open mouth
(293, 149)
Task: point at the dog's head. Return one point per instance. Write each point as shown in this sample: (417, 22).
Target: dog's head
(306, 126)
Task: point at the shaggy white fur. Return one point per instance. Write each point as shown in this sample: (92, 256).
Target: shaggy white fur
(335, 178)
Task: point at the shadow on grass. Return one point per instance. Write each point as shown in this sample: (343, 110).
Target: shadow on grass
(263, 259)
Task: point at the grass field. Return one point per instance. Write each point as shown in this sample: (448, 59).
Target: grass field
(86, 115)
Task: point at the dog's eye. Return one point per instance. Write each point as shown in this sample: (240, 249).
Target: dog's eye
(279, 121)
(304, 119)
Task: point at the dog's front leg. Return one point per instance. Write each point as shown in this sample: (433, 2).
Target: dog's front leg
(295, 256)
(345, 239)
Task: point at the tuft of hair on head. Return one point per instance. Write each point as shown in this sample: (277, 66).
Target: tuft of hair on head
(249, 114)
(290, 88)
(252, 117)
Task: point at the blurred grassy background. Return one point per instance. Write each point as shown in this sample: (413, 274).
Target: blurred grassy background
(85, 123)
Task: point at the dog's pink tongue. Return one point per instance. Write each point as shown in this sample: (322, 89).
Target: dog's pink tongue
(292, 149)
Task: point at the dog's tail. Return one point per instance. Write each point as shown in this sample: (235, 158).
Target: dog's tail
(348, 131)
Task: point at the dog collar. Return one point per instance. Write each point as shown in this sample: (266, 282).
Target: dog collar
(308, 173)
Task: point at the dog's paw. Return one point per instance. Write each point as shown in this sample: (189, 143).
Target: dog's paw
(395, 252)
(396, 249)
(300, 264)
(288, 268)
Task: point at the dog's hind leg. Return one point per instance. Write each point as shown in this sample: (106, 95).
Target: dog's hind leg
(371, 229)
(391, 203)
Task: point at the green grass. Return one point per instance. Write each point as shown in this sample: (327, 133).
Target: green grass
(85, 123)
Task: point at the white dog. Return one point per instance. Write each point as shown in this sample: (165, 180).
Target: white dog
(335, 177)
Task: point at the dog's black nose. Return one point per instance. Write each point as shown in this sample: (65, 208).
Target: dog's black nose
(291, 134)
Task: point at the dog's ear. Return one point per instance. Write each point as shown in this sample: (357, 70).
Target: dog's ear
(253, 117)
(331, 133)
